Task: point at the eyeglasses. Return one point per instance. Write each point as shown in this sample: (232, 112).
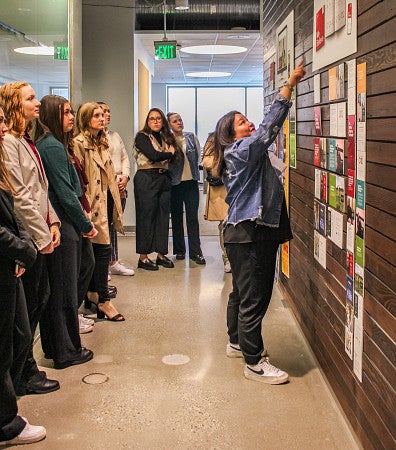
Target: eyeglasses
(155, 119)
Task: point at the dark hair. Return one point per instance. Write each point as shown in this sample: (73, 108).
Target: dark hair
(224, 135)
(165, 130)
(51, 113)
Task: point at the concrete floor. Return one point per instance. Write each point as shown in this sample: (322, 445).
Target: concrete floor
(205, 403)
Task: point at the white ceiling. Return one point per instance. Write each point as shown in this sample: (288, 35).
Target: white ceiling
(246, 68)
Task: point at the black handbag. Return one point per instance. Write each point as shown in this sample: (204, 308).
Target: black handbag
(212, 180)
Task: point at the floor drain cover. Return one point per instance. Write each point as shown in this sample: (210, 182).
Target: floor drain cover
(175, 360)
(95, 378)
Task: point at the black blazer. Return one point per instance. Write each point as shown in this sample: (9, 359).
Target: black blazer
(15, 244)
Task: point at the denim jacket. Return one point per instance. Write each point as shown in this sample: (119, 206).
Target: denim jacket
(193, 151)
(253, 175)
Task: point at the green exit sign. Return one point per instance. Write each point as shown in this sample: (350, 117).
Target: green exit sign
(165, 49)
(61, 52)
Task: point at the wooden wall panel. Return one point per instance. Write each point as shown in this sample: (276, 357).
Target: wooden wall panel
(317, 295)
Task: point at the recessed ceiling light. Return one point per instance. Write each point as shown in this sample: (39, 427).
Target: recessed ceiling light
(181, 5)
(208, 74)
(213, 49)
(238, 37)
(39, 50)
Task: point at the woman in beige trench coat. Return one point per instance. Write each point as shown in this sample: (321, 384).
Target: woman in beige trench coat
(216, 208)
(91, 148)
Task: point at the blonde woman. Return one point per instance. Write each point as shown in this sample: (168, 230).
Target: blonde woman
(34, 210)
(91, 148)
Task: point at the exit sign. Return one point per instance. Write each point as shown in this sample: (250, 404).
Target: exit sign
(165, 49)
(61, 52)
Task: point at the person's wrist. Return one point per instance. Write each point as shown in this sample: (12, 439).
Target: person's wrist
(289, 85)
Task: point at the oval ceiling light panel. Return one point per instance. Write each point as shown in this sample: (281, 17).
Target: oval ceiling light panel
(39, 50)
(208, 74)
(213, 49)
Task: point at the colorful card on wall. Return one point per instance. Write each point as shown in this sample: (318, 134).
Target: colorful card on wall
(331, 162)
(319, 32)
(318, 120)
(351, 142)
(336, 194)
(317, 152)
(339, 14)
(350, 264)
(340, 156)
(329, 18)
(320, 216)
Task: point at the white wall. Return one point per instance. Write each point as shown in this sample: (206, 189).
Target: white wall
(158, 96)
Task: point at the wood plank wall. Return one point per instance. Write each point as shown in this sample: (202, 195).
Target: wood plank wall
(316, 295)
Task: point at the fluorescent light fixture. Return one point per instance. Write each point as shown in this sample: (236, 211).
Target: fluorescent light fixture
(181, 5)
(39, 50)
(208, 74)
(213, 49)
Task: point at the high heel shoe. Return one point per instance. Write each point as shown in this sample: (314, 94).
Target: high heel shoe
(100, 314)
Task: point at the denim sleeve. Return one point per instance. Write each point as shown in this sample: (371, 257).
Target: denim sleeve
(268, 128)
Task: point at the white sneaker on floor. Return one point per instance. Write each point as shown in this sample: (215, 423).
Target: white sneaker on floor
(120, 269)
(266, 373)
(227, 267)
(233, 351)
(85, 320)
(30, 434)
(83, 326)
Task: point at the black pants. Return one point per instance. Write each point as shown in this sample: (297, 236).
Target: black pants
(59, 328)
(253, 270)
(36, 287)
(87, 266)
(14, 347)
(185, 194)
(99, 281)
(152, 206)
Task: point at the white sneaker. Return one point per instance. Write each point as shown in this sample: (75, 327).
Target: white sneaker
(30, 434)
(266, 373)
(233, 351)
(227, 267)
(85, 320)
(83, 326)
(120, 269)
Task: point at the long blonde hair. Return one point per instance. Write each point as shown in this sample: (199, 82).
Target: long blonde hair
(84, 116)
(5, 180)
(11, 98)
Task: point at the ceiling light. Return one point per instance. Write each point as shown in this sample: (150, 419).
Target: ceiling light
(213, 49)
(181, 5)
(238, 37)
(39, 50)
(208, 74)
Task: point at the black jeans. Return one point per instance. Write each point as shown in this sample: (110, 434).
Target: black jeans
(152, 206)
(99, 282)
(14, 346)
(253, 270)
(185, 193)
(36, 287)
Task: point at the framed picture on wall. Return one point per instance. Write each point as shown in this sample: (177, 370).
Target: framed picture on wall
(284, 50)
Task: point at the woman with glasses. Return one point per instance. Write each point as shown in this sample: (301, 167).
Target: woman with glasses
(155, 146)
(59, 324)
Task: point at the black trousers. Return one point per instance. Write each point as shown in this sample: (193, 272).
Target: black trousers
(185, 194)
(14, 347)
(36, 287)
(253, 270)
(99, 281)
(59, 328)
(87, 266)
(152, 206)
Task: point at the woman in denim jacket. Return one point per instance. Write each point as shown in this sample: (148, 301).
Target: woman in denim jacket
(257, 223)
(184, 174)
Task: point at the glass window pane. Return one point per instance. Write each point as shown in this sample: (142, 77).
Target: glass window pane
(255, 105)
(212, 103)
(182, 101)
(39, 23)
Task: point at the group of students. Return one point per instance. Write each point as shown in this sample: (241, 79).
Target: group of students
(52, 176)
